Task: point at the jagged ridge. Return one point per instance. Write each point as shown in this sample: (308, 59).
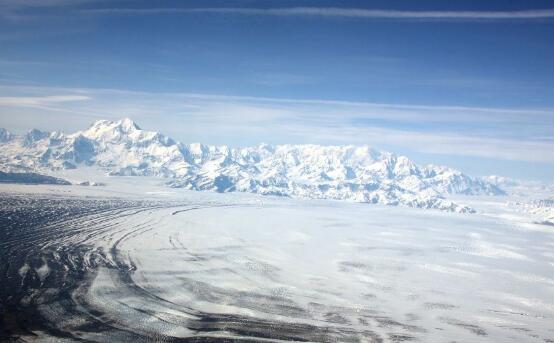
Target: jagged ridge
(356, 173)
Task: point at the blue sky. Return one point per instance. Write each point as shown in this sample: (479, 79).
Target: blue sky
(464, 83)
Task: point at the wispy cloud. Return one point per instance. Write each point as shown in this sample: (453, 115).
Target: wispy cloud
(508, 134)
(14, 5)
(341, 12)
(449, 143)
(40, 100)
(14, 10)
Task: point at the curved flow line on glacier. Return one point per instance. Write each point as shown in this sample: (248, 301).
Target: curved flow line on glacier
(49, 284)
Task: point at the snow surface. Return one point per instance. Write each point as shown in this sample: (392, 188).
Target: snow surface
(398, 272)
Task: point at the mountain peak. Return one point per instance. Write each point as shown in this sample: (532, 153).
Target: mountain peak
(35, 135)
(128, 124)
(5, 135)
(111, 130)
(125, 125)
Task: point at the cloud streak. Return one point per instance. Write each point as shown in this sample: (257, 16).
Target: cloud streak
(502, 134)
(40, 100)
(341, 12)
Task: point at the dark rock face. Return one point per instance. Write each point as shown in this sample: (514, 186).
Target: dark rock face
(31, 179)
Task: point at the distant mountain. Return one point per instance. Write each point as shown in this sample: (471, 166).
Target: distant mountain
(356, 173)
(31, 179)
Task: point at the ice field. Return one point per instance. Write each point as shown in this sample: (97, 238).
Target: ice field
(99, 263)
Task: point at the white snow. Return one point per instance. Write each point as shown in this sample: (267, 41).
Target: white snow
(430, 275)
(354, 173)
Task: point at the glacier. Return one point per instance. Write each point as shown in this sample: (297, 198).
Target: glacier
(135, 261)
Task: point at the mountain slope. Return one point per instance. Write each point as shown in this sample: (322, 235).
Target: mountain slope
(31, 179)
(355, 173)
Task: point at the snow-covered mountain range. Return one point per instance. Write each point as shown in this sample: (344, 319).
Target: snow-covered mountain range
(356, 173)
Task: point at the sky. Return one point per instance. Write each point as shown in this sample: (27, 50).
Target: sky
(469, 84)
